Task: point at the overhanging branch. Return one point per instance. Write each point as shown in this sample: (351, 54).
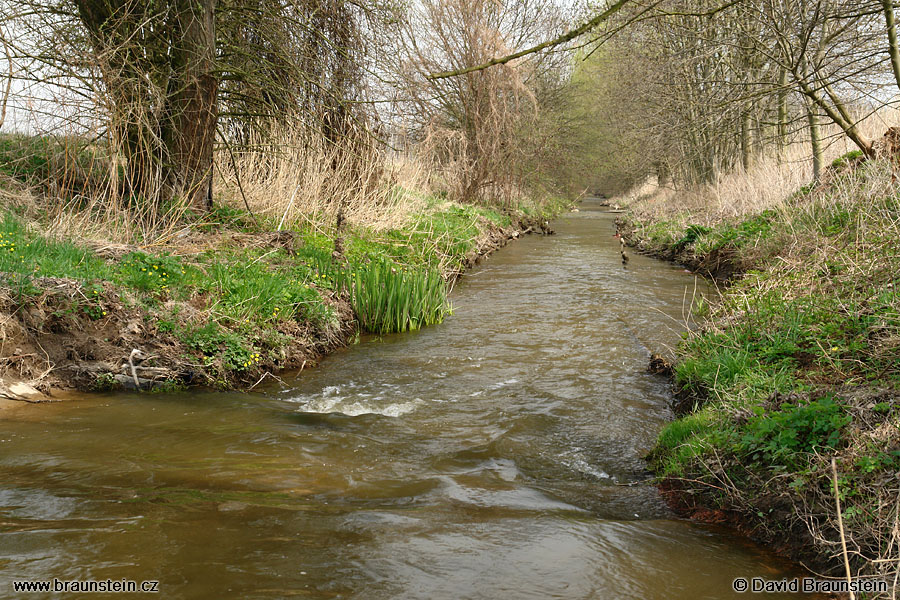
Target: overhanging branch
(566, 37)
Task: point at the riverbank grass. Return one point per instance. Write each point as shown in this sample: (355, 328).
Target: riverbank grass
(231, 298)
(796, 364)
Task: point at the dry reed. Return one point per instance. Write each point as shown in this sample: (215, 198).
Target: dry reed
(767, 184)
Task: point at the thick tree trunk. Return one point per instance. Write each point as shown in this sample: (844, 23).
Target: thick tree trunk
(149, 51)
(192, 115)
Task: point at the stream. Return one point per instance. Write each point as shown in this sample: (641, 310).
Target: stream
(497, 455)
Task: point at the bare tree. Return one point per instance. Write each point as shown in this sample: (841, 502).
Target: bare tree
(480, 122)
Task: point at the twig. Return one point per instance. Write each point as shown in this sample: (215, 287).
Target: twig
(289, 206)
(568, 36)
(9, 81)
(237, 175)
(837, 501)
(266, 374)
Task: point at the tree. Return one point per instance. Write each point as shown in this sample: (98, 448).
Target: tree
(157, 61)
(483, 124)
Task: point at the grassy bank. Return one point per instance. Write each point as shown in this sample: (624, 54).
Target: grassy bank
(797, 365)
(224, 299)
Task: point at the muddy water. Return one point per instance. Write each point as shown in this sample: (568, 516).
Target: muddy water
(494, 456)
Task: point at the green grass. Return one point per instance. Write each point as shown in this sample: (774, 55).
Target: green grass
(393, 280)
(25, 253)
(388, 299)
(748, 232)
(797, 363)
(684, 440)
(846, 159)
(817, 315)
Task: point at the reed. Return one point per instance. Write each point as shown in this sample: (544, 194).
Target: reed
(389, 299)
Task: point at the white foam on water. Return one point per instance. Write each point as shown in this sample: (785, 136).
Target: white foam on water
(345, 400)
(575, 459)
(503, 384)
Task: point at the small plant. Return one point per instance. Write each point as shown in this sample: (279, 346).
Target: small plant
(690, 236)
(217, 343)
(105, 382)
(92, 305)
(151, 273)
(794, 428)
(166, 326)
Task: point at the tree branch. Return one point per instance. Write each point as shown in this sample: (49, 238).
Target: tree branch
(566, 37)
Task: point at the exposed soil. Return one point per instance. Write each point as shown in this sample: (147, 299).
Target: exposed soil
(785, 535)
(50, 345)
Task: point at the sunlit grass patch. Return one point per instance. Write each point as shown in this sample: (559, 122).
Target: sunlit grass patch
(26, 253)
(389, 299)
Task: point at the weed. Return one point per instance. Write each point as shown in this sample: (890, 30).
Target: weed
(690, 236)
(151, 273)
(775, 436)
(220, 345)
(847, 158)
(105, 382)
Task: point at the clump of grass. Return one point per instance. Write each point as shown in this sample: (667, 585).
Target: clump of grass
(251, 292)
(747, 232)
(681, 442)
(388, 299)
(846, 159)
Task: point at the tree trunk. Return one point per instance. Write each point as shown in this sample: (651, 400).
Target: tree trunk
(746, 150)
(157, 61)
(782, 110)
(893, 50)
(662, 174)
(815, 139)
(192, 116)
